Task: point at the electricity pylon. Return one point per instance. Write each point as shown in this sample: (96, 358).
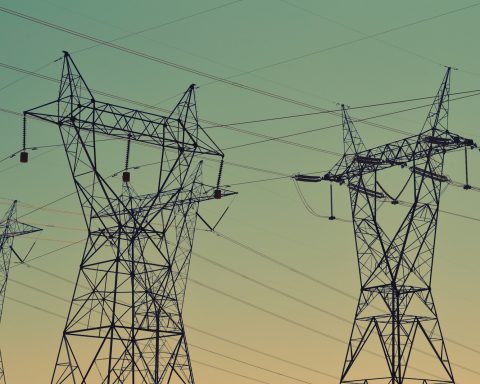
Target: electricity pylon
(10, 228)
(125, 321)
(396, 310)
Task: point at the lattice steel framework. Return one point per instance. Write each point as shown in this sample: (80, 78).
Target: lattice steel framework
(125, 321)
(10, 228)
(396, 308)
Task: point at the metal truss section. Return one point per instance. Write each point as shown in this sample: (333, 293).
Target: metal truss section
(125, 321)
(10, 228)
(396, 310)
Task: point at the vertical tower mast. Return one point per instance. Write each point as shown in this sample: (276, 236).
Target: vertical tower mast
(10, 228)
(396, 308)
(125, 321)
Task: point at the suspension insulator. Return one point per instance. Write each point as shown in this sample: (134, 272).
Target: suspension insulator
(332, 216)
(23, 157)
(24, 153)
(126, 173)
(217, 193)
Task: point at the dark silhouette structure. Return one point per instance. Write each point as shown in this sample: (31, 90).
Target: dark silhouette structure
(10, 228)
(396, 309)
(125, 321)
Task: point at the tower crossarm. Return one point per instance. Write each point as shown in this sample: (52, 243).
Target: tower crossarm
(77, 107)
(167, 200)
(124, 123)
(396, 153)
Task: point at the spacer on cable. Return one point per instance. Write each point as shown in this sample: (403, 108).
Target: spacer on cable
(23, 157)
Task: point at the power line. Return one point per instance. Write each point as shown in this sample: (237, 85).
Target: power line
(232, 126)
(294, 116)
(262, 309)
(249, 364)
(41, 309)
(310, 277)
(301, 325)
(190, 344)
(231, 372)
(342, 45)
(356, 120)
(131, 34)
(244, 346)
(234, 184)
(245, 303)
(172, 64)
(182, 18)
(201, 331)
(271, 288)
(255, 306)
(248, 167)
(349, 28)
(267, 354)
(305, 303)
(350, 42)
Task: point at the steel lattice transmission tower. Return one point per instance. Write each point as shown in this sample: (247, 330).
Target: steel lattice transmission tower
(10, 228)
(396, 310)
(125, 321)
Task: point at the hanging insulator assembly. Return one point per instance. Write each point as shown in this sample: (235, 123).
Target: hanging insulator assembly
(126, 173)
(24, 153)
(467, 186)
(307, 178)
(331, 217)
(217, 193)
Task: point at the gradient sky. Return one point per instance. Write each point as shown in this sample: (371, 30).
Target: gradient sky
(267, 216)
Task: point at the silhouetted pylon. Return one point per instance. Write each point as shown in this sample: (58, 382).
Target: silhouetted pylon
(125, 321)
(10, 228)
(396, 311)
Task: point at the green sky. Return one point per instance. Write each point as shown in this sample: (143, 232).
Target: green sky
(330, 52)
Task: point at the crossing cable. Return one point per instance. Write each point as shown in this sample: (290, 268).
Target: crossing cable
(190, 344)
(167, 23)
(131, 34)
(258, 307)
(311, 277)
(294, 322)
(174, 65)
(41, 309)
(232, 126)
(365, 37)
(44, 206)
(212, 335)
(350, 42)
(249, 167)
(364, 106)
(267, 311)
(267, 354)
(333, 338)
(355, 120)
(224, 125)
(347, 27)
(269, 258)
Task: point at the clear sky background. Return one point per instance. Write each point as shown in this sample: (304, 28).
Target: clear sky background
(318, 53)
